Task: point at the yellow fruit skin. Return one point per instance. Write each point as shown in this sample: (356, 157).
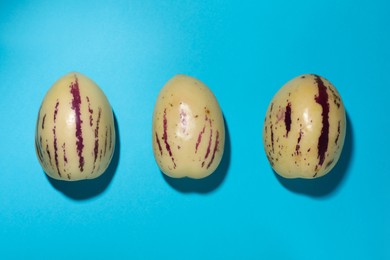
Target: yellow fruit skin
(304, 128)
(188, 133)
(75, 132)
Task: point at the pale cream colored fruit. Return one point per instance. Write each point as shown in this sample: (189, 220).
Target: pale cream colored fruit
(188, 129)
(304, 128)
(75, 132)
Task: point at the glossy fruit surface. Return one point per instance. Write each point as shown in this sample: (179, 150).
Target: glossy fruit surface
(188, 133)
(75, 132)
(304, 128)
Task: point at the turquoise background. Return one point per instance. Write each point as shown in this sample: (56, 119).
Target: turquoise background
(244, 51)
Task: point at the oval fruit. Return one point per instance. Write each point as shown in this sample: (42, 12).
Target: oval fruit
(304, 128)
(188, 129)
(75, 132)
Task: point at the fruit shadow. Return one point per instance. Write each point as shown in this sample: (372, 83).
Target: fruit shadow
(328, 184)
(211, 182)
(87, 189)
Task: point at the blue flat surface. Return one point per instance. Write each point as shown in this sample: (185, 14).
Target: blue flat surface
(244, 51)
